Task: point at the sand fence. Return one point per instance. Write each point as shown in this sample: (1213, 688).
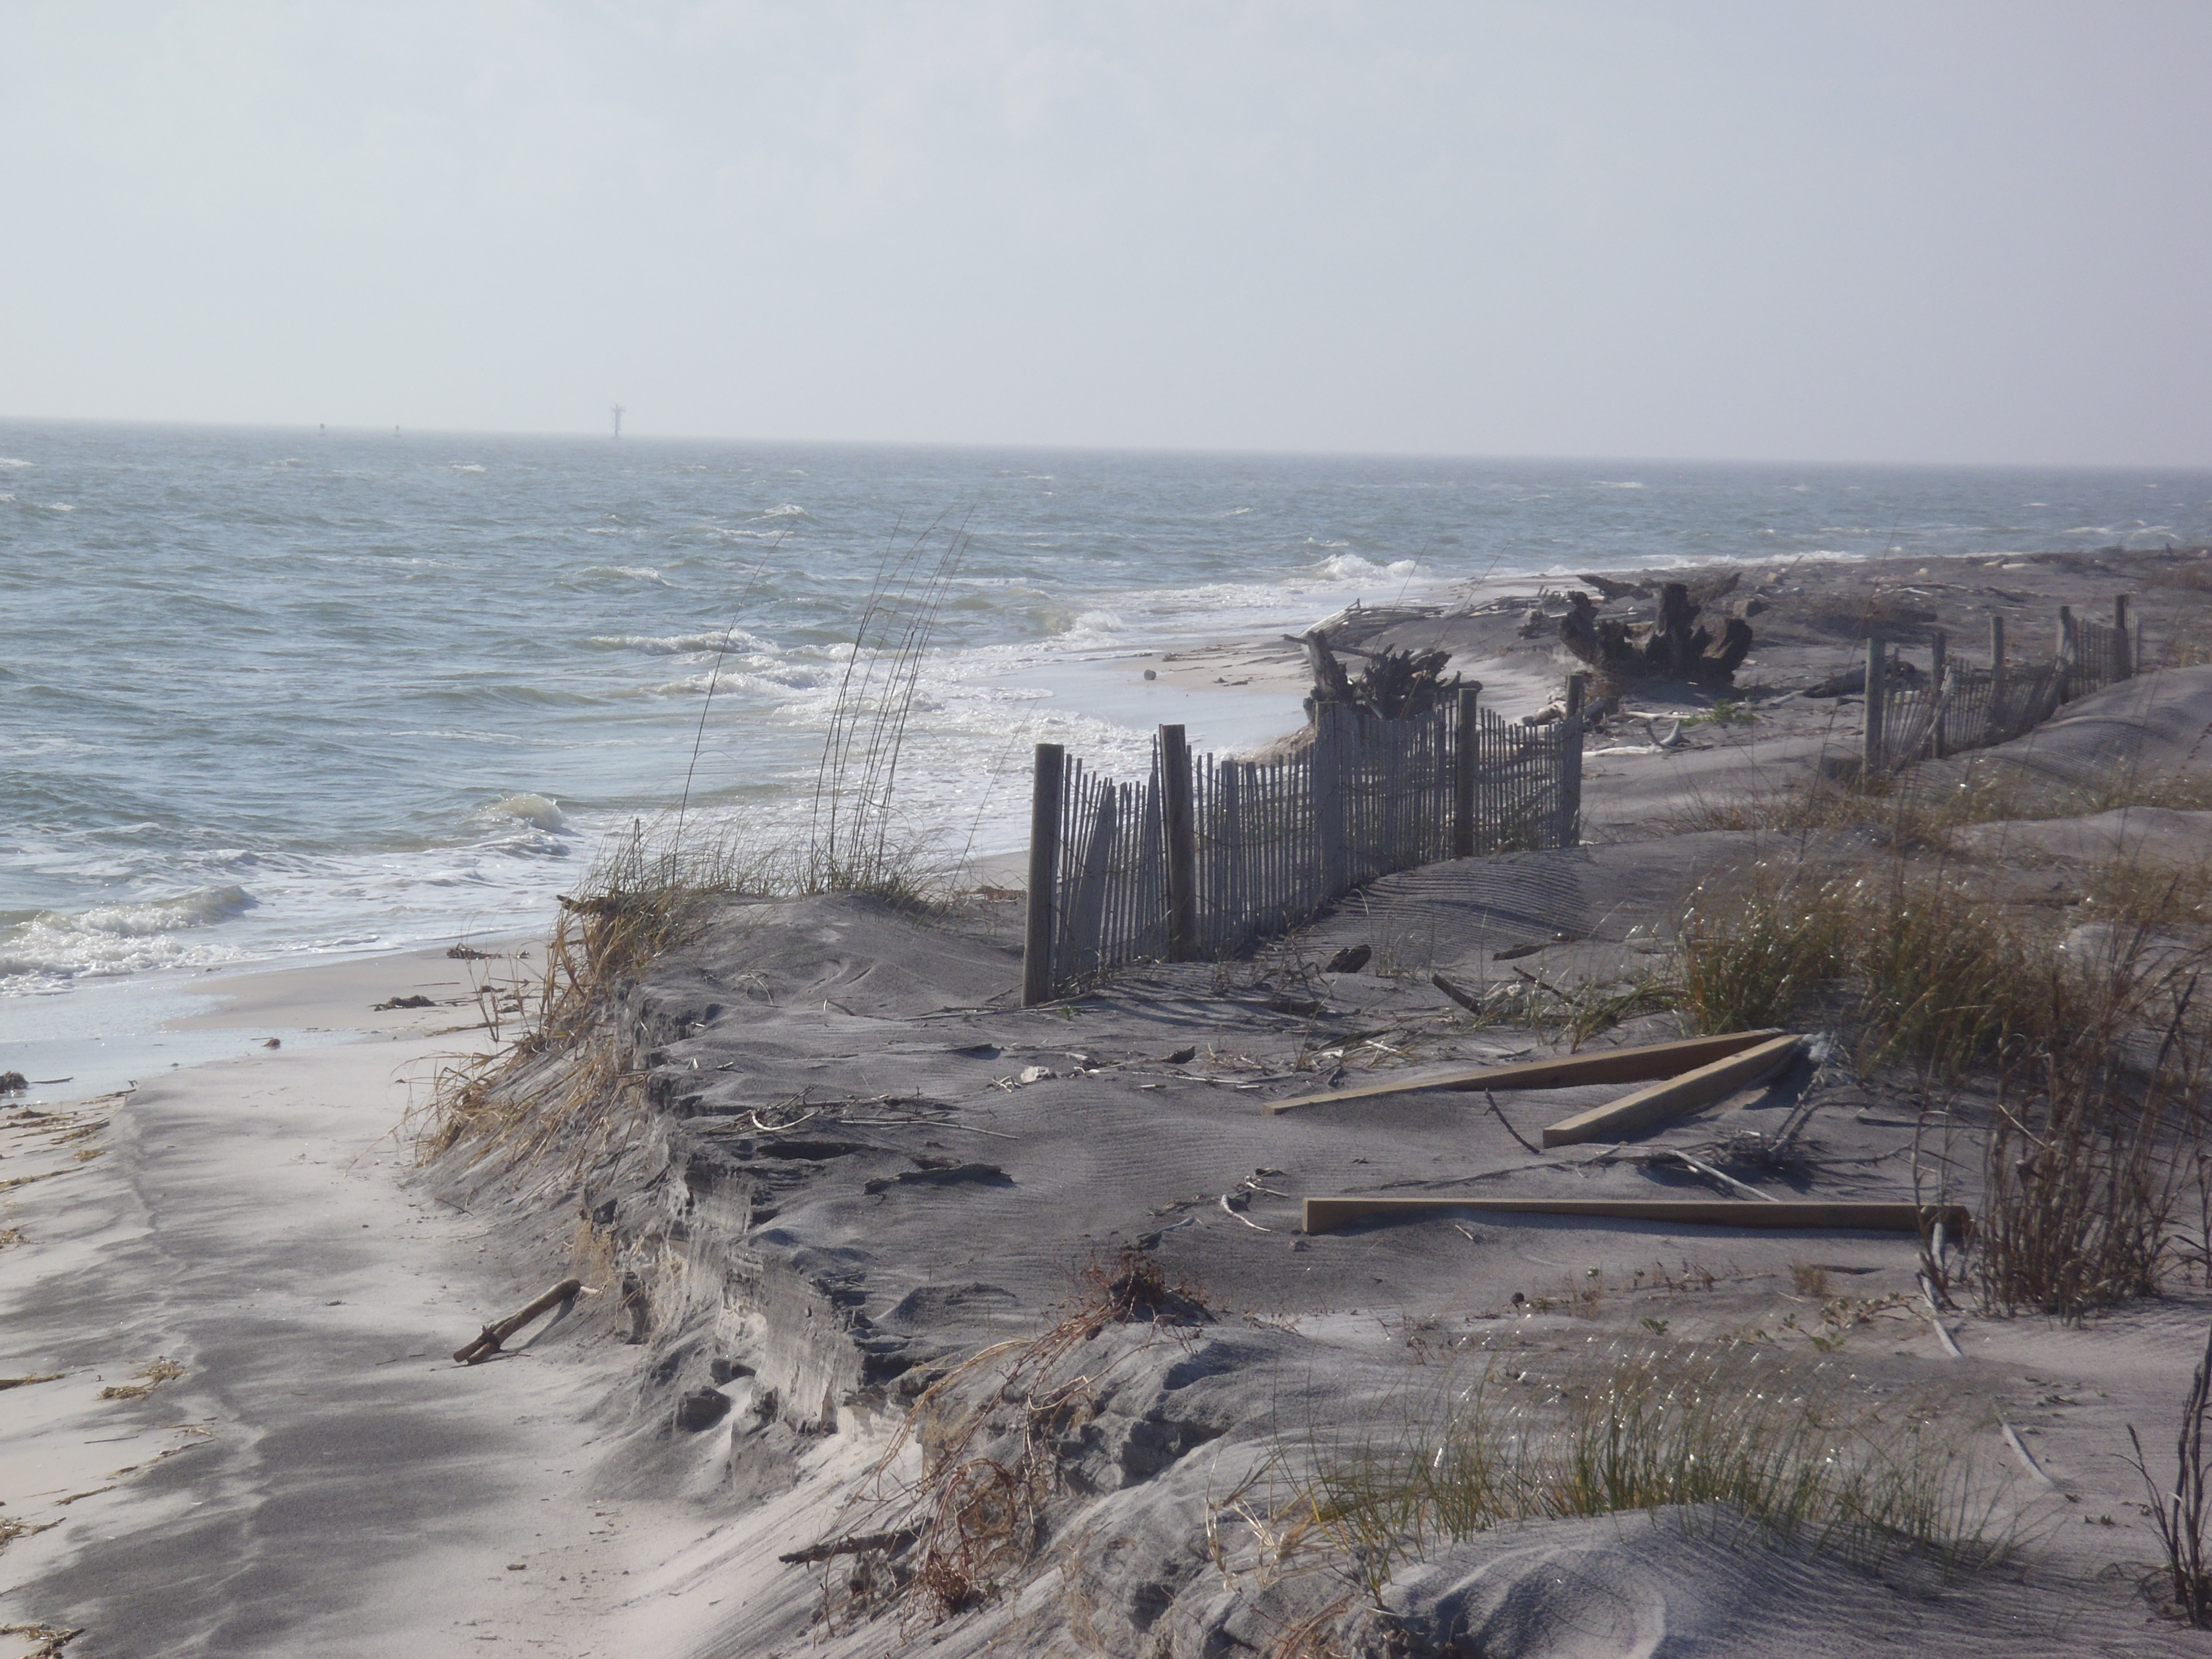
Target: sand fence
(1211, 854)
(1959, 707)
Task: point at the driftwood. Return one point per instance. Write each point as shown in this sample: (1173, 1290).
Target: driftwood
(1674, 646)
(1642, 1063)
(1616, 590)
(1324, 1214)
(1397, 686)
(489, 1339)
(858, 1544)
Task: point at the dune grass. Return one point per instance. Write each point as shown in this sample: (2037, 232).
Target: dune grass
(1927, 807)
(1797, 1452)
(2090, 1044)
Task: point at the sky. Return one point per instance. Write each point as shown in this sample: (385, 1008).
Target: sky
(1922, 232)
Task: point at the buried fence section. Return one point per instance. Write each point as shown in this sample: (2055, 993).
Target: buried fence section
(1210, 853)
(1975, 708)
(1962, 708)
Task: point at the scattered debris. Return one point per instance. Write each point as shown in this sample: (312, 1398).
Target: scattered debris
(401, 1002)
(26, 1382)
(1349, 960)
(463, 953)
(151, 1378)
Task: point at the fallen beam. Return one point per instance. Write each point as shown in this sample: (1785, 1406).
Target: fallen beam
(1687, 1093)
(1638, 1064)
(1324, 1214)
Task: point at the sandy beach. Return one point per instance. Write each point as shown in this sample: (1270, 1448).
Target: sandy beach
(852, 1220)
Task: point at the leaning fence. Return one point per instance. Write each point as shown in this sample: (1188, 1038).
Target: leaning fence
(1209, 854)
(1960, 708)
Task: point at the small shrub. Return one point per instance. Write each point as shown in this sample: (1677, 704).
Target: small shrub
(2179, 1512)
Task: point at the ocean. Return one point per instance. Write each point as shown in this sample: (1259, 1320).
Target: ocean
(272, 694)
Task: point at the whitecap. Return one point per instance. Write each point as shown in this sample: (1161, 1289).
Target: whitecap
(466, 466)
(670, 645)
(636, 573)
(59, 506)
(541, 812)
(1608, 483)
(120, 939)
(9, 460)
(786, 510)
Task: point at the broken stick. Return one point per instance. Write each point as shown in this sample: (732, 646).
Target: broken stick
(489, 1339)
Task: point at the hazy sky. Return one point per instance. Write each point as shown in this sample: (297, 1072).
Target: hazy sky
(1845, 231)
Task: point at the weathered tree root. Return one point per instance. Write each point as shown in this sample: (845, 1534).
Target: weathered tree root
(1673, 647)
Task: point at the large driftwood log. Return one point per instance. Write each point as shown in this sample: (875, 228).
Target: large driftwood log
(1674, 646)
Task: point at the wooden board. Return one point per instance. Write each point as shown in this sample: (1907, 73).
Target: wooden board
(1638, 1064)
(1323, 1214)
(1687, 1093)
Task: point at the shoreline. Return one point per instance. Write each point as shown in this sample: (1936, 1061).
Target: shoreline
(1239, 693)
(820, 1152)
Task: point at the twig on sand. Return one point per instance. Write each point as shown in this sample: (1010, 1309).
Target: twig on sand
(1527, 1146)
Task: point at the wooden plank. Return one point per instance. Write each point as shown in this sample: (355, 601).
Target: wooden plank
(1677, 1095)
(1641, 1064)
(1323, 1214)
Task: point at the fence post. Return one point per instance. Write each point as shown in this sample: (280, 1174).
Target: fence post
(2123, 665)
(1045, 874)
(1182, 846)
(1568, 830)
(1329, 827)
(1463, 776)
(1877, 674)
(1939, 660)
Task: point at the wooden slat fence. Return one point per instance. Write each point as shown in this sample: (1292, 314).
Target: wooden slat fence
(1276, 840)
(1965, 708)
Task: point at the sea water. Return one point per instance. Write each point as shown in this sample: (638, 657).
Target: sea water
(266, 694)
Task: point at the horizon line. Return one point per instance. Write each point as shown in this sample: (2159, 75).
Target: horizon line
(1227, 451)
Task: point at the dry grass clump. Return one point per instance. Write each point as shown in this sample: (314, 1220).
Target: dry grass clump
(150, 1377)
(1795, 1451)
(2094, 1159)
(2180, 1512)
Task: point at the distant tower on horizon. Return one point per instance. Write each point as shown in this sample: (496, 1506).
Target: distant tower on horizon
(619, 412)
